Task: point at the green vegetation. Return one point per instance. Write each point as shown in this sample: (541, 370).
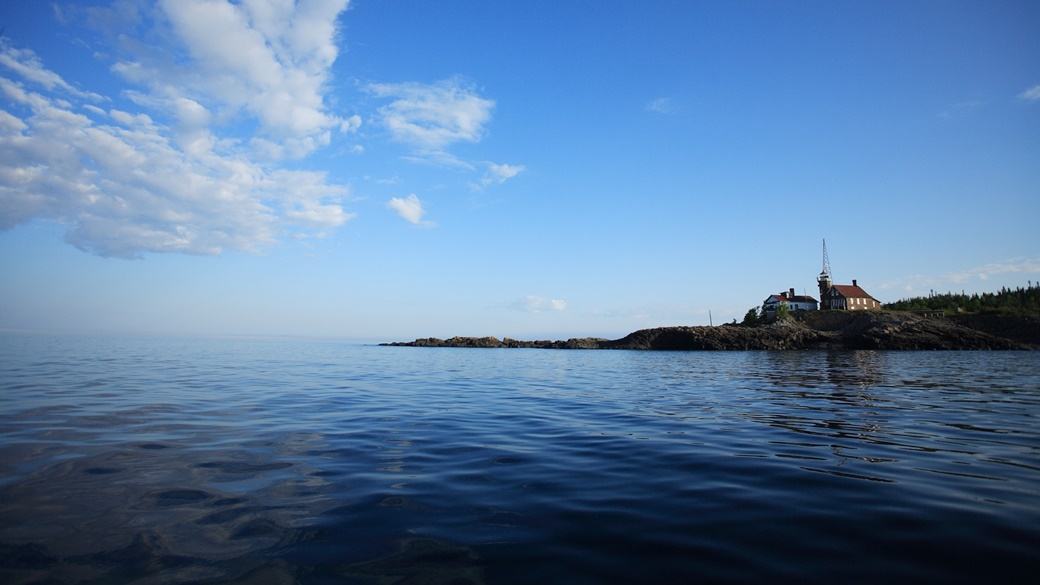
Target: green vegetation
(1020, 301)
(755, 316)
(751, 318)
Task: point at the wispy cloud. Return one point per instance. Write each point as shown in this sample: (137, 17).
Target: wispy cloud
(26, 64)
(175, 176)
(432, 117)
(497, 174)
(662, 105)
(1012, 265)
(537, 304)
(921, 282)
(124, 188)
(219, 99)
(959, 108)
(1031, 95)
(410, 209)
(269, 60)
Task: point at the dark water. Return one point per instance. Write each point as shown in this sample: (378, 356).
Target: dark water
(143, 460)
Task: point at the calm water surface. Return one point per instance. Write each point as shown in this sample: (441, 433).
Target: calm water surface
(147, 460)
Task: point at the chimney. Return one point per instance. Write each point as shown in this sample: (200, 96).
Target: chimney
(790, 293)
(854, 282)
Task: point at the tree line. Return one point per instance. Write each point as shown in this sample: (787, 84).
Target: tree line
(1010, 301)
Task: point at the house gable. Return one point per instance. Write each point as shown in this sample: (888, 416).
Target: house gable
(793, 301)
(849, 297)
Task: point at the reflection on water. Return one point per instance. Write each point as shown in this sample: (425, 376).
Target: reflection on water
(253, 461)
(836, 399)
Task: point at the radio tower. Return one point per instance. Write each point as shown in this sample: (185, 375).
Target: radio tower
(825, 277)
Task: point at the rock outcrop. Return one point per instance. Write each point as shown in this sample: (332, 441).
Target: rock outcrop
(808, 330)
(494, 342)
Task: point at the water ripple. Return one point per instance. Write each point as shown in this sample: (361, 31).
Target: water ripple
(249, 460)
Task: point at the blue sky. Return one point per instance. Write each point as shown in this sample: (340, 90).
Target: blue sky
(390, 169)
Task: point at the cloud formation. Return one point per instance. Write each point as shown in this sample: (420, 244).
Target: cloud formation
(265, 59)
(1031, 95)
(176, 176)
(961, 108)
(429, 118)
(199, 151)
(536, 304)
(662, 106)
(410, 209)
(26, 64)
(500, 173)
(1020, 265)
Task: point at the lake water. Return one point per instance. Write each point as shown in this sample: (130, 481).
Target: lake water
(149, 460)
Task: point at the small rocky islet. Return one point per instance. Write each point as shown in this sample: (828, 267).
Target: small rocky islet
(833, 330)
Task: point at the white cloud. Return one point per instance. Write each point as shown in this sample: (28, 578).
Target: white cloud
(662, 106)
(351, 124)
(537, 304)
(27, 65)
(264, 60)
(921, 282)
(125, 183)
(500, 173)
(410, 209)
(432, 117)
(269, 57)
(961, 108)
(1011, 265)
(218, 96)
(1032, 94)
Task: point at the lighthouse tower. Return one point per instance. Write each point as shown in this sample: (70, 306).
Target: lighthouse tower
(824, 279)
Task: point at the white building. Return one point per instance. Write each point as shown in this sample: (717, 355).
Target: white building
(794, 303)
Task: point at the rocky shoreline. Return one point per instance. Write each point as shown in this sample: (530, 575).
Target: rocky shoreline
(883, 330)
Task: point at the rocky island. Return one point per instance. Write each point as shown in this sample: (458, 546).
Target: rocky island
(883, 330)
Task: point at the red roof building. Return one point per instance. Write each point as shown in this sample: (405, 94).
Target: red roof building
(846, 297)
(794, 303)
(842, 297)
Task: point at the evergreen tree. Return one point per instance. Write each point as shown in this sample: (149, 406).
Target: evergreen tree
(1017, 301)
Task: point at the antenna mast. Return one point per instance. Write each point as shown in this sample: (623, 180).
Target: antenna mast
(826, 261)
(824, 279)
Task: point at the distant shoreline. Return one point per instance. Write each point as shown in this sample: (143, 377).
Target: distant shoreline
(880, 330)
